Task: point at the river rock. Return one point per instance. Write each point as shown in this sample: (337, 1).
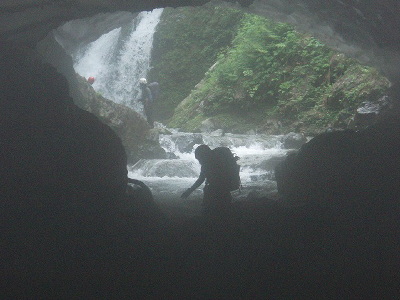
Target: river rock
(370, 112)
(346, 167)
(153, 135)
(271, 163)
(209, 125)
(218, 132)
(293, 140)
(271, 127)
(143, 207)
(186, 142)
(263, 177)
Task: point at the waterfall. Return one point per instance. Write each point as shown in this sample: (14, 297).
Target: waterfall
(119, 58)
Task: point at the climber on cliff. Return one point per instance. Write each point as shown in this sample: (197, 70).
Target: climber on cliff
(149, 93)
(91, 80)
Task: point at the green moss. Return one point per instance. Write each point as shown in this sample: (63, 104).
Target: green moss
(186, 44)
(271, 72)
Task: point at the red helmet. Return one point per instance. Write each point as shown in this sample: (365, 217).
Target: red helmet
(91, 79)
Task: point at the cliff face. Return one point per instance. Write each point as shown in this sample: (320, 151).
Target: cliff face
(360, 29)
(270, 72)
(131, 127)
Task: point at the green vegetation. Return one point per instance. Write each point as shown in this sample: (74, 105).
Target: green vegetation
(186, 45)
(269, 74)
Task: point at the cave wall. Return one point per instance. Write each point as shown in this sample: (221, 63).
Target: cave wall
(29, 21)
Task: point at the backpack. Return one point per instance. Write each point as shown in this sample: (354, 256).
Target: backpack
(154, 89)
(227, 167)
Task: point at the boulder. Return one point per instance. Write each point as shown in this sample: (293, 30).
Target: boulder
(151, 150)
(345, 167)
(293, 140)
(270, 163)
(63, 191)
(218, 132)
(164, 168)
(142, 206)
(186, 142)
(370, 112)
(208, 125)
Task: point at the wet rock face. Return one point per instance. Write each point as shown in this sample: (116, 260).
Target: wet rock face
(84, 31)
(131, 127)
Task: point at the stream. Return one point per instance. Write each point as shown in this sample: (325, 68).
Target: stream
(168, 178)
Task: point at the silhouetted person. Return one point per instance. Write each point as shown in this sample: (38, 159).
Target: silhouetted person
(217, 197)
(149, 93)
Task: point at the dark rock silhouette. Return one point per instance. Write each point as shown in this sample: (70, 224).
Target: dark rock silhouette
(48, 139)
(142, 207)
(349, 181)
(64, 216)
(343, 166)
(73, 228)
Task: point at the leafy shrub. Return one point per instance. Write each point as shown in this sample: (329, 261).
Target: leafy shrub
(186, 44)
(287, 75)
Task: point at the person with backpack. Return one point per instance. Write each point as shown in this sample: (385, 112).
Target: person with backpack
(220, 172)
(149, 93)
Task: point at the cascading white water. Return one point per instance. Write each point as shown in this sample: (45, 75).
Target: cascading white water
(168, 178)
(119, 58)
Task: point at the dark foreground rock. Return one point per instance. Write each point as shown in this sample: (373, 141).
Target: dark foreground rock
(70, 229)
(65, 217)
(352, 177)
(345, 166)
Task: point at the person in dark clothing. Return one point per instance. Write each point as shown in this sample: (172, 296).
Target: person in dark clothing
(217, 197)
(147, 99)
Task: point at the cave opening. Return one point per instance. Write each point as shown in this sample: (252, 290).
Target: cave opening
(72, 228)
(297, 87)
